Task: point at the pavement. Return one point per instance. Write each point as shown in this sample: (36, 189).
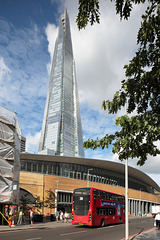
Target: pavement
(152, 234)
(38, 225)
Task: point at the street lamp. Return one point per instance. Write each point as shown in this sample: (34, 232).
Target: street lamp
(126, 201)
(56, 196)
(90, 169)
(126, 193)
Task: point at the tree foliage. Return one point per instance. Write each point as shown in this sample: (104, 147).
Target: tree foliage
(38, 203)
(25, 200)
(50, 200)
(141, 88)
(88, 11)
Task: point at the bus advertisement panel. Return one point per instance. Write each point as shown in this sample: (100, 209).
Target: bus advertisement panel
(95, 207)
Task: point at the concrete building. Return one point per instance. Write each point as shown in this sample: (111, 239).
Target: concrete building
(61, 129)
(62, 175)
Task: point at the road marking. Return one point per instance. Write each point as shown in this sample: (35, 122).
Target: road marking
(63, 234)
(34, 238)
(105, 227)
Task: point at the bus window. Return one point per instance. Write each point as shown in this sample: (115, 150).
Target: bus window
(81, 199)
(99, 194)
(103, 195)
(111, 211)
(102, 211)
(115, 197)
(121, 199)
(95, 193)
(107, 195)
(110, 196)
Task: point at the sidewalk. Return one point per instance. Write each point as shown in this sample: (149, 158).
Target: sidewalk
(36, 225)
(151, 234)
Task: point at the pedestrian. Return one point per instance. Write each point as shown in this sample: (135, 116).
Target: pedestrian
(66, 217)
(61, 215)
(10, 220)
(57, 215)
(31, 216)
(24, 219)
(157, 219)
(20, 217)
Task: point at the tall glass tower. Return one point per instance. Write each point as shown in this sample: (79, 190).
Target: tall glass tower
(61, 129)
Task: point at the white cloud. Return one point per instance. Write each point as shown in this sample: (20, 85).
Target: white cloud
(4, 70)
(96, 123)
(151, 166)
(51, 32)
(32, 142)
(23, 68)
(101, 51)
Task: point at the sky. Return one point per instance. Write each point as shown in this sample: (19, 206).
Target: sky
(28, 30)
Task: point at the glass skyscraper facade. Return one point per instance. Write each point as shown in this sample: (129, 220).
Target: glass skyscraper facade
(61, 129)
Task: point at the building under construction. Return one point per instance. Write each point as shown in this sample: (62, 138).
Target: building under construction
(10, 137)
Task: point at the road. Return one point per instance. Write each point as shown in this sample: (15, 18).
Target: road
(69, 232)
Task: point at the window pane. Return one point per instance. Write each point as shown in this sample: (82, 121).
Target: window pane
(34, 167)
(49, 169)
(28, 166)
(39, 167)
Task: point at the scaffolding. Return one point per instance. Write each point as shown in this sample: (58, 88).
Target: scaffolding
(10, 135)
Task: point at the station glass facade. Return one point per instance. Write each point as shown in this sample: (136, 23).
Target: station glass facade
(77, 171)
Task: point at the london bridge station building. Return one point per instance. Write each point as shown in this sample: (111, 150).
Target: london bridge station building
(62, 175)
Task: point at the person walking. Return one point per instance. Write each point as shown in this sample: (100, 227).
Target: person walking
(10, 220)
(57, 215)
(157, 219)
(61, 215)
(66, 217)
(20, 217)
(31, 216)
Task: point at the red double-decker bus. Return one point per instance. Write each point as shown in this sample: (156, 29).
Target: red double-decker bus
(95, 207)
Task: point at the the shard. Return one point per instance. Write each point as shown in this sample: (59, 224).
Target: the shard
(61, 129)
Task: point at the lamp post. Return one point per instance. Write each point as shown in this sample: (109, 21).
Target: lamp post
(56, 196)
(126, 200)
(90, 169)
(126, 194)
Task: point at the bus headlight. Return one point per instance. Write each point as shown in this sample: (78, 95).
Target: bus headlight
(90, 217)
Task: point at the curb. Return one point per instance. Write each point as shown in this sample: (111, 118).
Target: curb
(34, 227)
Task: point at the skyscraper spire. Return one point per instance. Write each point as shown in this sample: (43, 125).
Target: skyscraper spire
(61, 129)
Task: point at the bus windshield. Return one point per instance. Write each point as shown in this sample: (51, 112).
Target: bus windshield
(81, 200)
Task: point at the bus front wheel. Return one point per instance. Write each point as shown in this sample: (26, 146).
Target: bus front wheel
(102, 223)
